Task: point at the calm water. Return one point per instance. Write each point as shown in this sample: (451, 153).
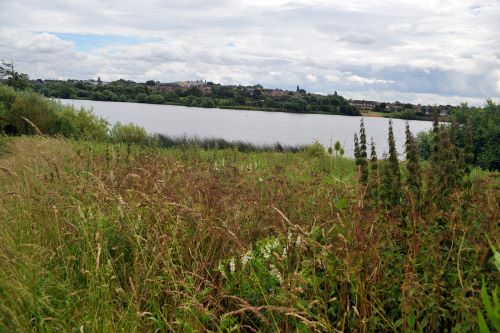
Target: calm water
(252, 126)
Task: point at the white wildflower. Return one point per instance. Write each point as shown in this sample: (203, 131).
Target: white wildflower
(266, 252)
(298, 241)
(284, 254)
(246, 257)
(222, 270)
(269, 247)
(275, 273)
(232, 265)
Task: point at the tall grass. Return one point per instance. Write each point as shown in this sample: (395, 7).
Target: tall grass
(116, 237)
(167, 141)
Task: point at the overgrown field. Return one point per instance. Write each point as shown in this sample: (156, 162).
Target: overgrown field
(101, 237)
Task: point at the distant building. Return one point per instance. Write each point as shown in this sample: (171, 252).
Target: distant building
(362, 105)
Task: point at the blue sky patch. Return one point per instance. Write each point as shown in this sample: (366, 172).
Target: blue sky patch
(87, 42)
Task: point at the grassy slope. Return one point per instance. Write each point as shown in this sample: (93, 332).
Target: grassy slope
(96, 237)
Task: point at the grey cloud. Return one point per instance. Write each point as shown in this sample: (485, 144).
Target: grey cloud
(414, 48)
(358, 38)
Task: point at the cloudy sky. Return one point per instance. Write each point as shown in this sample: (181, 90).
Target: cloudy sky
(422, 51)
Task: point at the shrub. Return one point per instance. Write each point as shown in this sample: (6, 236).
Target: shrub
(49, 116)
(131, 134)
(315, 150)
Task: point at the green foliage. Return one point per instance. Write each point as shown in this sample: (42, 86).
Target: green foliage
(445, 175)
(315, 150)
(414, 175)
(357, 153)
(14, 79)
(475, 134)
(425, 143)
(374, 176)
(491, 306)
(393, 172)
(363, 162)
(132, 134)
(48, 116)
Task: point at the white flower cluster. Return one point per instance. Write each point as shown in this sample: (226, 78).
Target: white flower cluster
(267, 250)
(275, 273)
(232, 265)
(252, 166)
(246, 257)
(222, 270)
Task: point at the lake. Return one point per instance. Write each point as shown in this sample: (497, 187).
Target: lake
(257, 127)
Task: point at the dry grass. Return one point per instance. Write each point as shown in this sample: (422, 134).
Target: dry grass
(99, 237)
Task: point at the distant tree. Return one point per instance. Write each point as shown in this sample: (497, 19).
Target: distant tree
(194, 91)
(14, 79)
(296, 104)
(256, 94)
(141, 98)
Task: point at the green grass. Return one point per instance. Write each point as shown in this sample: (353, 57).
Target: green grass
(108, 237)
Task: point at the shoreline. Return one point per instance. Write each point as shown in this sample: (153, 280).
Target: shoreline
(252, 108)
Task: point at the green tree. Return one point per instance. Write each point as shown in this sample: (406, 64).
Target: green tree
(14, 79)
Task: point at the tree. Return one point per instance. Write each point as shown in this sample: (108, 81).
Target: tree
(14, 79)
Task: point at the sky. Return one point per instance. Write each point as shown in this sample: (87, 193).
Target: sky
(417, 51)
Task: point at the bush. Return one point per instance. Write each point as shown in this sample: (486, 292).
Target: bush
(49, 116)
(315, 150)
(81, 124)
(131, 134)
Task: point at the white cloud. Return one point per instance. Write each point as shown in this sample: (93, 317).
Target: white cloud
(312, 78)
(412, 48)
(364, 80)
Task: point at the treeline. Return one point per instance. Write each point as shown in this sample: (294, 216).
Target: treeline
(208, 95)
